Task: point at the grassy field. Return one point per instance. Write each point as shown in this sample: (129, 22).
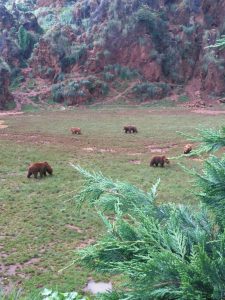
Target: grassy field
(40, 228)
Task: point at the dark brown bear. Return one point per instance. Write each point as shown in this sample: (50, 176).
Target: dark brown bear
(130, 129)
(75, 130)
(187, 148)
(159, 160)
(39, 167)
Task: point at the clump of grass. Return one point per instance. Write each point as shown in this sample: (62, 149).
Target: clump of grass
(29, 108)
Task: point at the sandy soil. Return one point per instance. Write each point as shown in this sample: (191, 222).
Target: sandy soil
(2, 125)
(209, 112)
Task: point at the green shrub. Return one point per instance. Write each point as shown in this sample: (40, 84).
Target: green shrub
(150, 90)
(123, 72)
(66, 16)
(55, 295)
(70, 92)
(211, 58)
(104, 88)
(106, 53)
(183, 98)
(22, 7)
(77, 51)
(189, 30)
(26, 41)
(113, 27)
(10, 105)
(108, 76)
(156, 25)
(46, 21)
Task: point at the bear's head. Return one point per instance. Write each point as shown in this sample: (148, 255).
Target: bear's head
(166, 160)
(48, 168)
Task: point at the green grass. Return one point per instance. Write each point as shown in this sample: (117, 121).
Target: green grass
(35, 214)
(183, 99)
(29, 107)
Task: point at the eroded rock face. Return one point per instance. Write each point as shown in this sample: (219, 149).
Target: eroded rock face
(166, 42)
(45, 63)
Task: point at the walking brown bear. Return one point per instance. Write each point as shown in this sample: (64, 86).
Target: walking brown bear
(39, 167)
(130, 129)
(75, 130)
(159, 160)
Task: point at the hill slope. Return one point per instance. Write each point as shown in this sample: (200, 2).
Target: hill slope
(82, 52)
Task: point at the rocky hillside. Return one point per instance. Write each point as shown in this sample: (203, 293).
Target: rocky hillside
(87, 51)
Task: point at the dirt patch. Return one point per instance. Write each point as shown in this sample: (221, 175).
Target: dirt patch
(3, 255)
(90, 149)
(74, 228)
(197, 159)
(209, 112)
(2, 125)
(134, 154)
(32, 261)
(14, 270)
(107, 150)
(157, 149)
(135, 162)
(85, 243)
(10, 113)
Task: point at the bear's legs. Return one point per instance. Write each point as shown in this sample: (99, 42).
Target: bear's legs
(35, 174)
(29, 174)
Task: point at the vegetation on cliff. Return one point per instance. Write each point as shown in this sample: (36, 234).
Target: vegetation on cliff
(166, 42)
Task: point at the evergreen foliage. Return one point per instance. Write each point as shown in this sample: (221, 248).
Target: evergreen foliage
(211, 180)
(26, 41)
(152, 90)
(76, 53)
(72, 91)
(210, 140)
(125, 73)
(212, 185)
(4, 67)
(164, 251)
(156, 25)
(220, 43)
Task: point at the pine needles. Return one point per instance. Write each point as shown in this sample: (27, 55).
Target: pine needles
(163, 251)
(210, 140)
(166, 252)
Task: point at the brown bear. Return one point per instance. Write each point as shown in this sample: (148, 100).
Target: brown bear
(39, 167)
(187, 148)
(130, 129)
(159, 160)
(75, 130)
